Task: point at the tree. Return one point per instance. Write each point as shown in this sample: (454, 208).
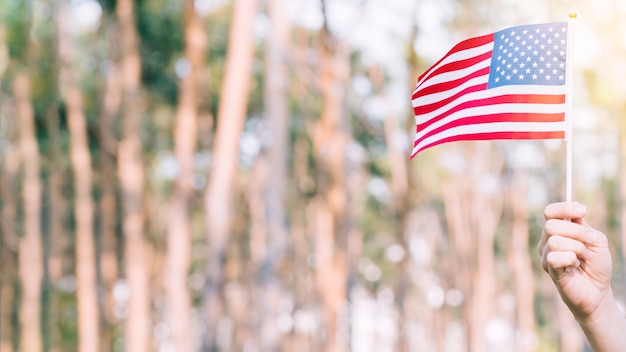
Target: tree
(131, 176)
(30, 249)
(185, 139)
(88, 318)
(330, 141)
(230, 120)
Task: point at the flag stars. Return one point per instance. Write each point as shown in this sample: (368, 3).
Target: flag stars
(534, 55)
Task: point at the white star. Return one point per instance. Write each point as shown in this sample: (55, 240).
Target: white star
(554, 72)
(534, 76)
(528, 71)
(531, 36)
(549, 53)
(514, 71)
(541, 59)
(542, 47)
(497, 79)
(562, 65)
(515, 60)
(548, 65)
(516, 48)
(543, 35)
(512, 33)
(522, 65)
(551, 29)
(561, 77)
(497, 68)
(556, 35)
(555, 59)
(548, 77)
(528, 58)
(541, 71)
(508, 66)
(521, 77)
(508, 78)
(535, 52)
(549, 41)
(525, 31)
(534, 64)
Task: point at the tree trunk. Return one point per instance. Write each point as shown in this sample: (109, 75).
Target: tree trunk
(108, 256)
(330, 140)
(87, 304)
(131, 176)
(521, 264)
(9, 237)
(230, 120)
(472, 213)
(276, 82)
(178, 259)
(30, 250)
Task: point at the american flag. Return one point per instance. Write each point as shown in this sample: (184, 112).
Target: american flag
(505, 85)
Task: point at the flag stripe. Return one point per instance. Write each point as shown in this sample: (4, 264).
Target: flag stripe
(470, 107)
(456, 68)
(484, 96)
(488, 110)
(493, 136)
(501, 130)
(443, 90)
(465, 45)
(490, 118)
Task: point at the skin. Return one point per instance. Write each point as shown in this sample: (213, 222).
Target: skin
(577, 258)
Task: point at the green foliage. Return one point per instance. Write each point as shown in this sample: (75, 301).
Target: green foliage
(160, 28)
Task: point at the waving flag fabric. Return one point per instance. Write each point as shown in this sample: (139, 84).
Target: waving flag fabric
(505, 85)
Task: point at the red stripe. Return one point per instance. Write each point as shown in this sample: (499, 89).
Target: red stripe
(455, 66)
(466, 44)
(426, 109)
(502, 99)
(444, 86)
(492, 118)
(495, 135)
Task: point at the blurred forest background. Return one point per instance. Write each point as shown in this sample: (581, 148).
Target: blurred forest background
(184, 175)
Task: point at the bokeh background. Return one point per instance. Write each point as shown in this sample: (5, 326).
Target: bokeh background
(186, 175)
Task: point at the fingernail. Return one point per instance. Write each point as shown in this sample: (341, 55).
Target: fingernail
(580, 210)
(568, 269)
(592, 236)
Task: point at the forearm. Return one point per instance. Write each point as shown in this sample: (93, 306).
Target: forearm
(606, 328)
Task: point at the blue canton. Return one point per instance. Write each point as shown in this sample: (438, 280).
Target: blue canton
(532, 54)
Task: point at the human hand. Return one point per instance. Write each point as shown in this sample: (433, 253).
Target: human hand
(577, 258)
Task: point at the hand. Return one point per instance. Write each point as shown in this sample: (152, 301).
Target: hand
(577, 258)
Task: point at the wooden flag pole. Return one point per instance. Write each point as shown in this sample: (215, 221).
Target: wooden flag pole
(569, 96)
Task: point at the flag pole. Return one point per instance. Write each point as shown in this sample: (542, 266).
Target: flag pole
(569, 96)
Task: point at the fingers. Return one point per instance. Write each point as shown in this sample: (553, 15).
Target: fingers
(565, 210)
(563, 248)
(558, 262)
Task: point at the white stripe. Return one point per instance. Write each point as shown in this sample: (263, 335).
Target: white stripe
(458, 56)
(491, 93)
(493, 127)
(494, 109)
(454, 75)
(435, 97)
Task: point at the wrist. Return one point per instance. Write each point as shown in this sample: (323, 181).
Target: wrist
(605, 327)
